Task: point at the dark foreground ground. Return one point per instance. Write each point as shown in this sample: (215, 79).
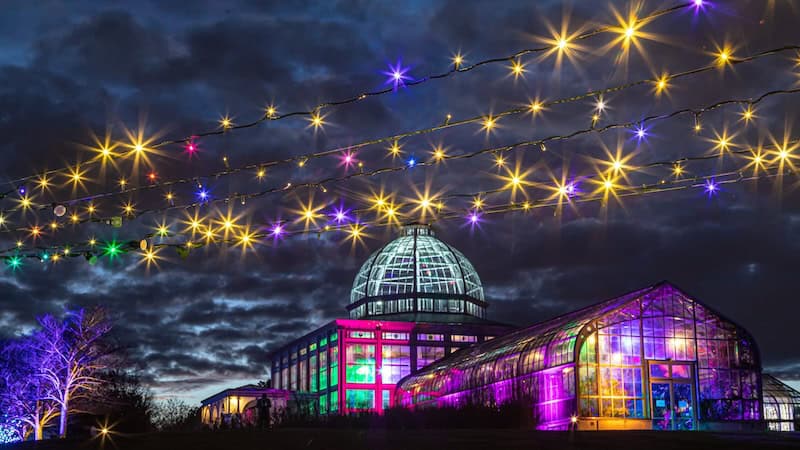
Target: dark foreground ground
(313, 439)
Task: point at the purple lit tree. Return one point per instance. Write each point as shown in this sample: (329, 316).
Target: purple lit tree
(75, 351)
(23, 392)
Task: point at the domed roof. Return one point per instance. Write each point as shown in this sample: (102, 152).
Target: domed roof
(421, 270)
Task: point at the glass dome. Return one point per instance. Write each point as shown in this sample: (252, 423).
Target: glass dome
(417, 273)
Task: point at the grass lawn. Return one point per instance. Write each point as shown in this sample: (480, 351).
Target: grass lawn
(352, 439)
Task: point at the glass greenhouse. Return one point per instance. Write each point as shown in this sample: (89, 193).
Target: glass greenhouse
(413, 301)
(416, 273)
(781, 405)
(651, 359)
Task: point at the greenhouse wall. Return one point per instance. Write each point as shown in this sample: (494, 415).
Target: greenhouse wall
(654, 358)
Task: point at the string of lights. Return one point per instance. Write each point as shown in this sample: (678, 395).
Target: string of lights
(355, 231)
(128, 212)
(261, 167)
(137, 145)
(569, 192)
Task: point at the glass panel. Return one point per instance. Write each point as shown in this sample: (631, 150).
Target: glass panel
(681, 371)
(430, 337)
(362, 335)
(659, 370)
(360, 399)
(427, 355)
(334, 401)
(684, 410)
(662, 406)
(387, 398)
(395, 336)
(396, 363)
(334, 363)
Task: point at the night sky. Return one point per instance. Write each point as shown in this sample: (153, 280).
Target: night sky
(195, 325)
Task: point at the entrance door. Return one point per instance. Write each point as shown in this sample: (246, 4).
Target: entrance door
(672, 393)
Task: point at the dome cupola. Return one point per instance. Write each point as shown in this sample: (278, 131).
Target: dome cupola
(417, 275)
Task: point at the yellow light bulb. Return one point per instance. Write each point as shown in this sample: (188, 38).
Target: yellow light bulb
(489, 123)
(74, 218)
(271, 111)
(563, 43)
(517, 68)
(458, 60)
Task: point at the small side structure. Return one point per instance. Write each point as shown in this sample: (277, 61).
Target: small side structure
(655, 358)
(781, 405)
(236, 407)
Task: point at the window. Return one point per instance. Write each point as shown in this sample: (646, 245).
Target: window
(323, 404)
(302, 351)
(334, 366)
(386, 398)
(396, 360)
(427, 355)
(362, 335)
(334, 401)
(463, 338)
(293, 372)
(303, 376)
(430, 337)
(360, 363)
(334, 336)
(312, 347)
(323, 342)
(323, 370)
(360, 398)
(313, 361)
(395, 336)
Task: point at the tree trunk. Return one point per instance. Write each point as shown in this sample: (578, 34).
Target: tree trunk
(37, 424)
(62, 421)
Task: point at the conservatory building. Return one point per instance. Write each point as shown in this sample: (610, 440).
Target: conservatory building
(413, 301)
(655, 358)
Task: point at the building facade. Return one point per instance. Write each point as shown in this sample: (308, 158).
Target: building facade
(652, 359)
(413, 302)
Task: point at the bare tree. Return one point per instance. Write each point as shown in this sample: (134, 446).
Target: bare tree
(24, 394)
(173, 414)
(75, 352)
